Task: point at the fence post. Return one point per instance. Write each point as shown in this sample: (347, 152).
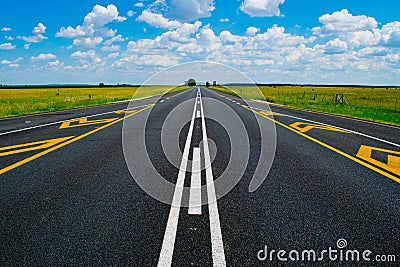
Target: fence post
(339, 98)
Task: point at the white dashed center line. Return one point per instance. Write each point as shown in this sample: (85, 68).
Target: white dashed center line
(195, 186)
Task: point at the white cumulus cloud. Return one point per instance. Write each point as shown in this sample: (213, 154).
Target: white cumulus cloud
(32, 39)
(190, 10)
(79, 31)
(5, 62)
(114, 39)
(227, 36)
(390, 34)
(207, 39)
(111, 48)
(261, 8)
(56, 63)
(343, 21)
(7, 46)
(101, 16)
(43, 57)
(12, 63)
(40, 28)
(113, 55)
(146, 60)
(87, 42)
(157, 20)
(251, 31)
(6, 29)
(361, 38)
(93, 30)
(91, 54)
(335, 46)
(130, 13)
(276, 38)
(38, 36)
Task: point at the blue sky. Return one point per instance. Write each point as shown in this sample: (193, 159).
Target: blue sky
(271, 41)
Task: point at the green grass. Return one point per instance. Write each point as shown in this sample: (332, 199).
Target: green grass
(375, 104)
(36, 100)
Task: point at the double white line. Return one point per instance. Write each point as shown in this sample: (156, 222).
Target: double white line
(167, 249)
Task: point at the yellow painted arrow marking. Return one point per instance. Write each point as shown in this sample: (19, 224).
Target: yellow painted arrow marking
(85, 122)
(305, 127)
(269, 113)
(70, 141)
(393, 162)
(125, 111)
(21, 148)
(348, 156)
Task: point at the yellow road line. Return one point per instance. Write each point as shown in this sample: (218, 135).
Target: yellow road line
(22, 162)
(22, 148)
(393, 162)
(305, 127)
(388, 175)
(336, 115)
(85, 122)
(184, 91)
(325, 113)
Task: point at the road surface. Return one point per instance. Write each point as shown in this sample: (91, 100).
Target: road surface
(74, 186)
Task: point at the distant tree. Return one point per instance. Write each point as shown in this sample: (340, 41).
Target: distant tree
(101, 84)
(191, 82)
(207, 84)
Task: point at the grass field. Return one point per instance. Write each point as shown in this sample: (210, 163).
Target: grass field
(375, 104)
(35, 100)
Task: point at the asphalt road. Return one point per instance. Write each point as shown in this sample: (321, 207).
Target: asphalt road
(95, 186)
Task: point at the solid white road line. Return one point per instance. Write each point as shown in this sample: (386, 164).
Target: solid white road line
(215, 227)
(57, 122)
(339, 128)
(195, 184)
(167, 249)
